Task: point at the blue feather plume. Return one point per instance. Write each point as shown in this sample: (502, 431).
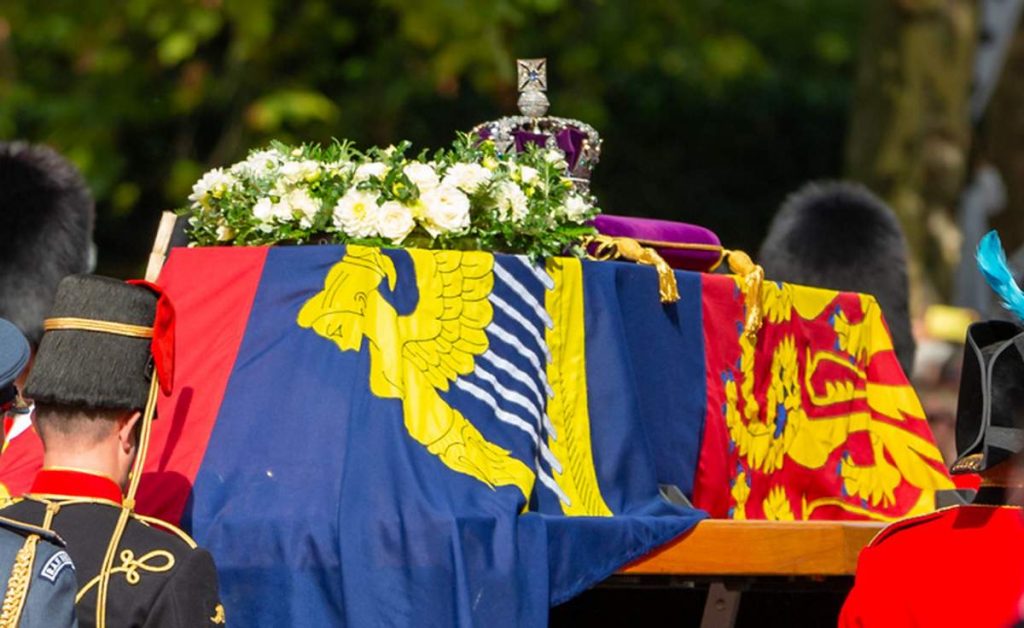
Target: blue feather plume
(992, 264)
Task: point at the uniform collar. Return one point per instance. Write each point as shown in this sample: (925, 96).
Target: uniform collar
(68, 482)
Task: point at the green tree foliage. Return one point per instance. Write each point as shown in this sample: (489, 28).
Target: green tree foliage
(711, 110)
(910, 133)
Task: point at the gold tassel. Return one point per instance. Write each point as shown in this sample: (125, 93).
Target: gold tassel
(615, 247)
(751, 278)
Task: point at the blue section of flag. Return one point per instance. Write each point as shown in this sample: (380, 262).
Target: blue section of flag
(647, 365)
(321, 510)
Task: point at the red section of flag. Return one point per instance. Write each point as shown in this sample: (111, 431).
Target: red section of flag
(212, 290)
(721, 307)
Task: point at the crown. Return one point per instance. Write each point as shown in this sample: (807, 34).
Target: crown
(578, 142)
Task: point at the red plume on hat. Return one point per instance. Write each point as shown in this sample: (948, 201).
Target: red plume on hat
(162, 345)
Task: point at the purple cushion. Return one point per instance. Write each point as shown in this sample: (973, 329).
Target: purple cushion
(674, 241)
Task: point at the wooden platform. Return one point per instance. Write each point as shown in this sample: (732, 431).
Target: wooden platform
(719, 552)
(761, 548)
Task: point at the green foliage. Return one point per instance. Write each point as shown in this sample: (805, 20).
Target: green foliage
(467, 196)
(710, 109)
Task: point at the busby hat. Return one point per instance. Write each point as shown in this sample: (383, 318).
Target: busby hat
(14, 354)
(46, 216)
(102, 344)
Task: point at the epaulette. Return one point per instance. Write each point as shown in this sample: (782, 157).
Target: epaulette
(26, 529)
(906, 524)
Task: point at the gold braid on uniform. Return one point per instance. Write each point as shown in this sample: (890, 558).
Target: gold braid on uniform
(21, 575)
(17, 584)
(105, 327)
(130, 567)
(167, 527)
(107, 567)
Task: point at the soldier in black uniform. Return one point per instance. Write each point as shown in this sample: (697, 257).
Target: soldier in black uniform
(36, 572)
(94, 384)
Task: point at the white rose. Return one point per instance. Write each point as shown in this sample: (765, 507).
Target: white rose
(299, 171)
(281, 210)
(215, 183)
(395, 221)
(356, 213)
(258, 163)
(527, 174)
(467, 177)
(576, 208)
(302, 205)
(423, 176)
(263, 210)
(372, 169)
(512, 203)
(225, 233)
(445, 210)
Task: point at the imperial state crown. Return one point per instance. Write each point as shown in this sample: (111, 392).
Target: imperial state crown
(578, 142)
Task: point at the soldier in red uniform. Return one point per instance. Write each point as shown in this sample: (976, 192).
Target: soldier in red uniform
(963, 565)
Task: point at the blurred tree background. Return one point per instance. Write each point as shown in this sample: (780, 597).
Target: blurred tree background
(711, 110)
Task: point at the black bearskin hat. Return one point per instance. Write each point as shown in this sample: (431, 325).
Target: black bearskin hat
(46, 216)
(840, 236)
(86, 368)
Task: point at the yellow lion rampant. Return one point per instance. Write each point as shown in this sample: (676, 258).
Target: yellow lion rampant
(414, 357)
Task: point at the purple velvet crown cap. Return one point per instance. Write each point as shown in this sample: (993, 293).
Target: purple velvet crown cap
(578, 142)
(682, 245)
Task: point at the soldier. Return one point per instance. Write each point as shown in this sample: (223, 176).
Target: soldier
(920, 571)
(105, 346)
(39, 575)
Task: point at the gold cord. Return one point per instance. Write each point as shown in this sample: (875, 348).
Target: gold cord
(129, 504)
(608, 247)
(169, 527)
(147, 428)
(751, 275)
(106, 327)
(51, 511)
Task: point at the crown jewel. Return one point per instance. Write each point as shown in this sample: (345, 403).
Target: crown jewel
(578, 142)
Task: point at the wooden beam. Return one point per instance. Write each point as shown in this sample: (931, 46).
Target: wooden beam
(161, 243)
(761, 548)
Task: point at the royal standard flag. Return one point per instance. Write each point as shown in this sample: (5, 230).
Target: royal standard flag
(405, 437)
